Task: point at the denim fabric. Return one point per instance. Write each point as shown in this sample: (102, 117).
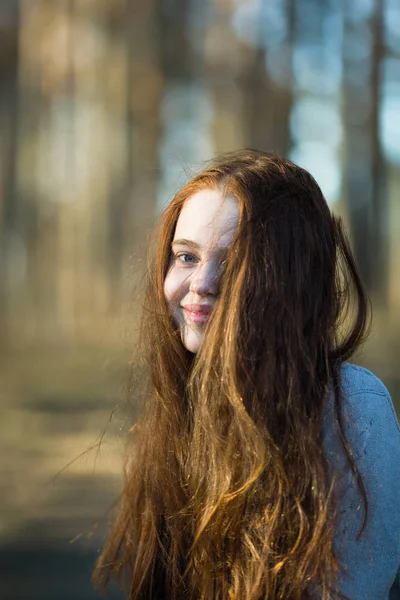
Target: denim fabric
(371, 564)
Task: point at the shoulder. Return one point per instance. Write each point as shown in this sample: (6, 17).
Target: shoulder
(366, 401)
(357, 380)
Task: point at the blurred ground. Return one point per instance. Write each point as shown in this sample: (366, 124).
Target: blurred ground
(56, 405)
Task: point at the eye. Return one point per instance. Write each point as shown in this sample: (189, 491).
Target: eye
(186, 258)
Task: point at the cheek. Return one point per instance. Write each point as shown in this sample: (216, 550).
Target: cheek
(172, 288)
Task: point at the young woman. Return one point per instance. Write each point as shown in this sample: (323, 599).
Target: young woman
(264, 465)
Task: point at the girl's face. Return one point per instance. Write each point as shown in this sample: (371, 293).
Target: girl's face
(203, 235)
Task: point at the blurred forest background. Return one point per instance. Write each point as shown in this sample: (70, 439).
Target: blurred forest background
(104, 104)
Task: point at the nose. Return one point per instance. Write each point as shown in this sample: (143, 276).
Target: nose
(204, 280)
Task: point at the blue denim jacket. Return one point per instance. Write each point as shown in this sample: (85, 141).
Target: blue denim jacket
(371, 563)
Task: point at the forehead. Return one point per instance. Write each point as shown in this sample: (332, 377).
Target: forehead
(208, 218)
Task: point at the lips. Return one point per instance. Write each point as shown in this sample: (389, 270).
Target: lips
(202, 309)
(198, 313)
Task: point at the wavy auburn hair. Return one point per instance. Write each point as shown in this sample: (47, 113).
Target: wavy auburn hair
(227, 492)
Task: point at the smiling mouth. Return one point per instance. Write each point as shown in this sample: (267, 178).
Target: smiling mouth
(198, 314)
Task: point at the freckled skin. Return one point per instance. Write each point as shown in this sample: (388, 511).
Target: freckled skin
(204, 232)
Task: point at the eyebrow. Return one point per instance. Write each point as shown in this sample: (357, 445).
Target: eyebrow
(185, 242)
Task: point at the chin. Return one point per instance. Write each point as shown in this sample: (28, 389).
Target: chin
(191, 341)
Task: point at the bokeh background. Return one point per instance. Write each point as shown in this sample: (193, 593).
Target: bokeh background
(105, 106)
